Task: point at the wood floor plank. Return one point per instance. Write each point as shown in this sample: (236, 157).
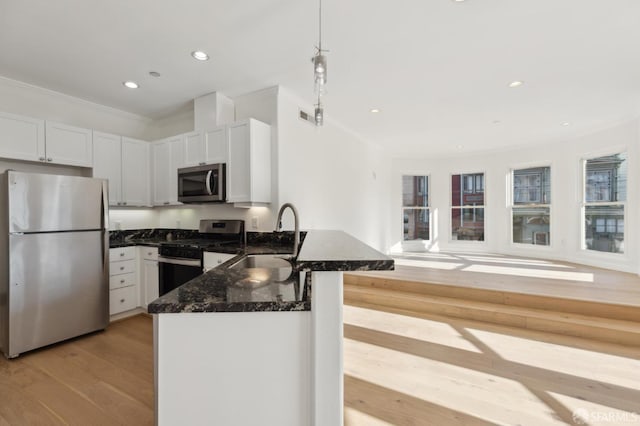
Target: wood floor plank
(501, 273)
(80, 382)
(407, 370)
(88, 384)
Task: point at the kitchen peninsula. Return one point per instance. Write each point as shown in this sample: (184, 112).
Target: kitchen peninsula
(229, 353)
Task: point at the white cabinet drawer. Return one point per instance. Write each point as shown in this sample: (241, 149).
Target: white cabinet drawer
(124, 267)
(122, 253)
(212, 260)
(149, 253)
(122, 299)
(122, 280)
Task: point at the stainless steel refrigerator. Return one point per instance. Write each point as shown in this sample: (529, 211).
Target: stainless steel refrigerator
(54, 262)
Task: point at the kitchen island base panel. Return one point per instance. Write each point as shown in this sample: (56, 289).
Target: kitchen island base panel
(233, 368)
(327, 393)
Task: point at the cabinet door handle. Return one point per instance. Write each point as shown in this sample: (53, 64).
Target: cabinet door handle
(149, 254)
(121, 254)
(41, 159)
(124, 203)
(166, 203)
(49, 159)
(121, 281)
(122, 268)
(121, 300)
(219, 260)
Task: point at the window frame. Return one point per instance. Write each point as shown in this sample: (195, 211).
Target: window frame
(429, 208)
(461, 207)
(512, 205)
(582, 244)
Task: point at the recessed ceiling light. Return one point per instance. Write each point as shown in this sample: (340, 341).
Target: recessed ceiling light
(566, 123)
(200, 55)
(458, 1)
(130, 84)
(459, 146)
(374, 110)
(154, 74)
(516, 83)
(496, 121)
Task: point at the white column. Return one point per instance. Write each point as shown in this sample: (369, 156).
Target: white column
(326, 347)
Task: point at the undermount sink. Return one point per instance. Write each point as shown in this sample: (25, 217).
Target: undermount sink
(262, 269)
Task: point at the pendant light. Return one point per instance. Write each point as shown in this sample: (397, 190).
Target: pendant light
(319, 71)
(319, 113)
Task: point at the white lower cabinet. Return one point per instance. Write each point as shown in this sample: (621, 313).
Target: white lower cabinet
(148, 275)
(212, 260)
(123, 282)
(122, 299)
(133, 278)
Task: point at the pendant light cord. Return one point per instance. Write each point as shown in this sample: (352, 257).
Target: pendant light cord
(320, 28)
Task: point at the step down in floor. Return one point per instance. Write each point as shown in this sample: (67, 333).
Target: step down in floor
(571, 324)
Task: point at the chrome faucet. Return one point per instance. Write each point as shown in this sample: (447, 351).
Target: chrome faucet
(296, 240)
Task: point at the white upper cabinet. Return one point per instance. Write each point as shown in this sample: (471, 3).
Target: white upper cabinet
(160, 161)
(249, 162)
(125, 163)
(205, 147)
(21, 138)
(68, 145)
(194, 151)
(107, 163)
(167, 157)
(135, 172)
(25, 138)
(216, 145)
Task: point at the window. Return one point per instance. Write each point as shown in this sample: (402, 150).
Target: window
(467, 207)
(531, 206)
(605, 196)
(415, 208)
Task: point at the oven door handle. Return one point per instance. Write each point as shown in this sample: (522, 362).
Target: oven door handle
(175, 261)
(208, 182)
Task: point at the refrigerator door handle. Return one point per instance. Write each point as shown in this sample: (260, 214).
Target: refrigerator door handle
(105, 205)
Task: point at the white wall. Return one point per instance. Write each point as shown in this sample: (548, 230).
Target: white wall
(566, 186)
(335, 179)
(20, 98)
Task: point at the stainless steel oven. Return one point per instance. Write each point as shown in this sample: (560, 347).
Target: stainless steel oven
(177, 265)
(202, 184)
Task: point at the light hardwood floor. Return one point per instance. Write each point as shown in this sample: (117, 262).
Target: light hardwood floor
(105, 378)
(399, 369)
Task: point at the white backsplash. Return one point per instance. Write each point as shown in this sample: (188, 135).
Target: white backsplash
(188, 217)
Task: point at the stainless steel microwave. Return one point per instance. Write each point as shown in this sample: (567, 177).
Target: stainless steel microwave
(202, 184)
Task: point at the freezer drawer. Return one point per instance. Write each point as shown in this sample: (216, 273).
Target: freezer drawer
(58, 288)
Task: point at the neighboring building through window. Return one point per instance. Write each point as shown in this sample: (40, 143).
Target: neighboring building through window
(467, 207)
(605, 196)
(531, 206)
(415, 208)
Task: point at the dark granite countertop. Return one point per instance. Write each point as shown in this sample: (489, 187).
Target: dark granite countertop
(218, 290)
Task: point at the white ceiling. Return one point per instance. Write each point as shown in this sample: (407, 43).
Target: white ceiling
(437, 69)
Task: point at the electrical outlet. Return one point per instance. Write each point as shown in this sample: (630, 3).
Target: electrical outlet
(118, 225)
(254, 222)
(177, 224)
